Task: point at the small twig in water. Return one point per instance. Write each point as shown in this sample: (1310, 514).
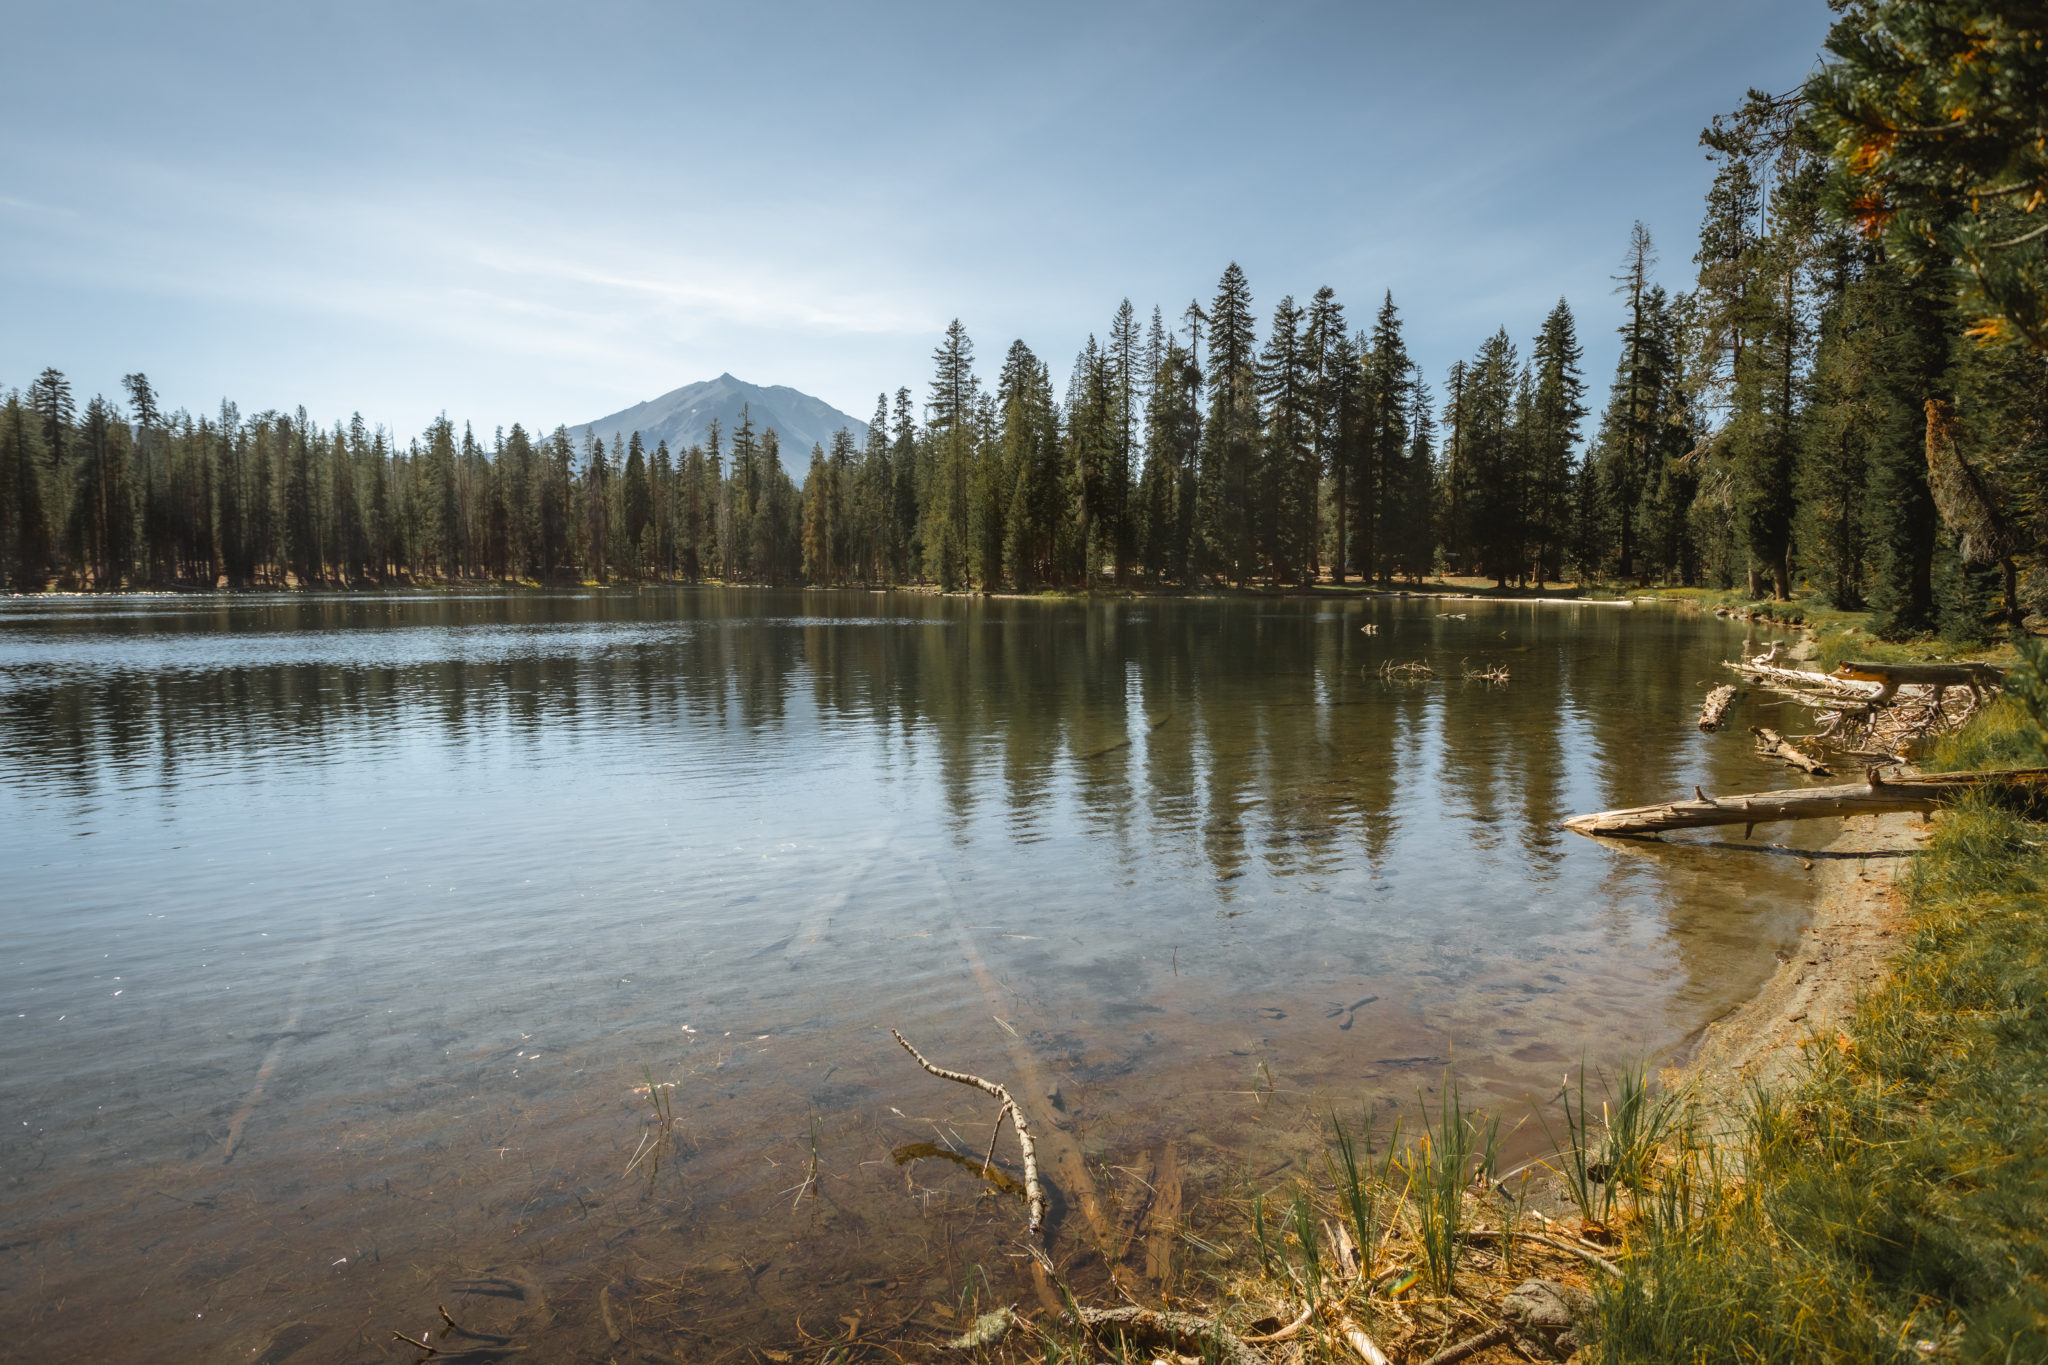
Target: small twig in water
(1033, 1192)
(993, 1134)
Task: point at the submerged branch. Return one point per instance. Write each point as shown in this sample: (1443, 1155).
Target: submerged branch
(1034, 1193)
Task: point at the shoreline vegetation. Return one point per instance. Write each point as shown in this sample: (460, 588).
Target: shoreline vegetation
(1850, 1167)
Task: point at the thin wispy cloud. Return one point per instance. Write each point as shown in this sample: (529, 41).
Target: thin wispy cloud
(519, 213)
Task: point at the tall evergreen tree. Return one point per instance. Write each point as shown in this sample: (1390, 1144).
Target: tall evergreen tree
(1383, 443)
(597, 510)
(1284, 497)
(945, 504)
(1124, 357)
(636, 505)
(1491, 445)
(1628, 428)
(1556, 414)
(1333, 387)
(1091, 430)
(1230, 435)
(26, 544)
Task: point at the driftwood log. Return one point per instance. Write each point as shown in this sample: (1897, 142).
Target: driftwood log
(1714, 711)
(1771, 744)
(1890, 677)
(1874, 796)
(1799, 679)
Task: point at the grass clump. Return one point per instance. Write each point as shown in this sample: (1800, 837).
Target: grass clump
(1894, 1205)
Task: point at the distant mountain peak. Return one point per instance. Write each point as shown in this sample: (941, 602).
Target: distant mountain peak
(682, 416)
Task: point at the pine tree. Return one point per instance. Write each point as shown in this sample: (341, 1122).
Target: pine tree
(1334, 379)
(718, 505)
(1628, 428)
(1454, 476)
(1490, 439)
(1036, 445)
(1762, 219)
(50, 398)
(1555, 417)
(1283, 527)
(1091, 442)
(749, 509)
(1934, 115)
(1414, 536)
(906, 547)
(876, 515)
(522, 489)
(1383, 442)
(817, 522)
(101, 515)
(1230, 435)
(597, 511)
(841, 504)
(472, 496)
(771, 494)
(946, 502)
(345, 508)
(1124, 357)
(636, 503)
(1915, 331)
(153, 475)
(1173, 441)
(301, 538)
(25, 551)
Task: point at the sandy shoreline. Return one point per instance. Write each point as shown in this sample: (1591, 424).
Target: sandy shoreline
(1858, 921)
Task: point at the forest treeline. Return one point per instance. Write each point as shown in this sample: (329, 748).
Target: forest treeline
(1844, 395)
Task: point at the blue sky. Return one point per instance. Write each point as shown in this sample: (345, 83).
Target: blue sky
(518, 212)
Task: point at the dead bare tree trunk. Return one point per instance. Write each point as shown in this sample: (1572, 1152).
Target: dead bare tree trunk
(1873, 796)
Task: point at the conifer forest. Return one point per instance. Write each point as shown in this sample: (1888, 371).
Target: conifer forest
(1781, 416)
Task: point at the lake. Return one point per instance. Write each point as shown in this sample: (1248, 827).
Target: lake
(346, 935)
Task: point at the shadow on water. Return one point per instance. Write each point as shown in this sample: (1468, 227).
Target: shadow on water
(344, 930)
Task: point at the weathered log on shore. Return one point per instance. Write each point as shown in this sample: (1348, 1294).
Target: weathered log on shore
(1873, 796)
(1940, 677)
(1714, 711)
(1774, 745)
(1803, 682)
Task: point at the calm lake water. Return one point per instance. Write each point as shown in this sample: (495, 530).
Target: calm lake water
(344, 936)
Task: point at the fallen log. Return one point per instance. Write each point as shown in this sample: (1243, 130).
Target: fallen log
(1714, 711)
(1771, 744)
(1941, 677)
(1874, 796)
(1846, 688)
